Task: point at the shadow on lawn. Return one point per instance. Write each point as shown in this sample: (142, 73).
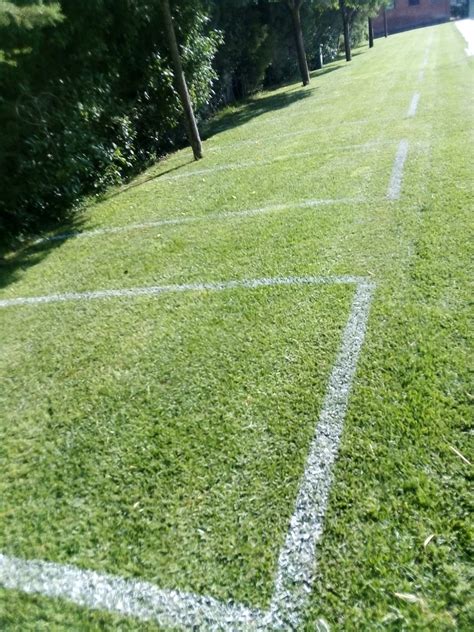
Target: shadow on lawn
(23, 256)
(251, 108)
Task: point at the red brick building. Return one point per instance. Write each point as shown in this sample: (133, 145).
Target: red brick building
(408, 14)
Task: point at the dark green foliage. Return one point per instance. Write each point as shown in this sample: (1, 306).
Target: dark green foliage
(86, 88)
(88, 101)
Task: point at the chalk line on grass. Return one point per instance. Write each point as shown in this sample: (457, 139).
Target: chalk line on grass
(413, 105)
(127, 597)
(154, 290)
(310, 203)
(246, 164)
(294, 578)
(395, 184)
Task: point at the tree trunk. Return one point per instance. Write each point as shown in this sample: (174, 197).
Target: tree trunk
(371, 33)
(385, 27)
(298, 31)
(180, 81)
(345, 23)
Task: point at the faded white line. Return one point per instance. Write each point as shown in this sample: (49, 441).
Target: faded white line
(295, 575)
(413, 105)
(395, 184)
(311, 130)
(246, 164)
(296, 565)
(198, 218)
(260, 142)
(153, 290)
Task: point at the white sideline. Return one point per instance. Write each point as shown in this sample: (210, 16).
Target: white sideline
(395, 184)
(413, 105)
(246, 164)
(311, 203)
(294, 578)
(153, 290)
(310, 130)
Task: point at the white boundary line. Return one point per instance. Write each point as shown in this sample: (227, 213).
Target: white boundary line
(395, 184)
(246, 164)
(259, 142)
(294, 578)
(311, 130)
(311, 203)
(413, 105)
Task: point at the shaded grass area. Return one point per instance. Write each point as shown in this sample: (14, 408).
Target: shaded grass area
(164, 438)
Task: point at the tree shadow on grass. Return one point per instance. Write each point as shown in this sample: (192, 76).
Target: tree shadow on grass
(244, 111)
(16, 261)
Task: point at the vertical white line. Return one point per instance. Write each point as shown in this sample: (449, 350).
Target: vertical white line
(413, 105)
(297, 559)
(395, 185)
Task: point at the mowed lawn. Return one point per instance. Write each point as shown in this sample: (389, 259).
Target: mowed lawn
(164, 437)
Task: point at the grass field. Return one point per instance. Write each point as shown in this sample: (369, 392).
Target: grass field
(161, 434)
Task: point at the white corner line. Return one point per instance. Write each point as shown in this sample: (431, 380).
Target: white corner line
(127, 597)
(297, 559)
(395, 184)
(155, 290)
(223, 215)
(413, 105)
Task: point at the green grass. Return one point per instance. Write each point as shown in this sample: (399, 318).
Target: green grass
(165, 437)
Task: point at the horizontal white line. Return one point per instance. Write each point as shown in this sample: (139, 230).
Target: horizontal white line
(311, 203)
(245, 164)
(187, 287)
(260, 142)
(395, 185)
(128, 597)
(413, 105)
(310, 130)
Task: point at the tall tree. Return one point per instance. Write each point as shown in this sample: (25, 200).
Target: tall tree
(346, 15)
(295, 10)
(180, 81)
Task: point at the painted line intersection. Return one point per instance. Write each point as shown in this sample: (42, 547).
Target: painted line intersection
(294, 577)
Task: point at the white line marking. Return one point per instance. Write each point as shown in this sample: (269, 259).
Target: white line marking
(297, 559)
(260, 142)
(296, 564)
(395, 185)
(311, 130)
(245, 164)
(413, 105)
(198, 218)
(153, 290)
(128, 597)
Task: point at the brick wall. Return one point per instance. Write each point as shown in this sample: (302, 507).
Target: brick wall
(406, 14)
